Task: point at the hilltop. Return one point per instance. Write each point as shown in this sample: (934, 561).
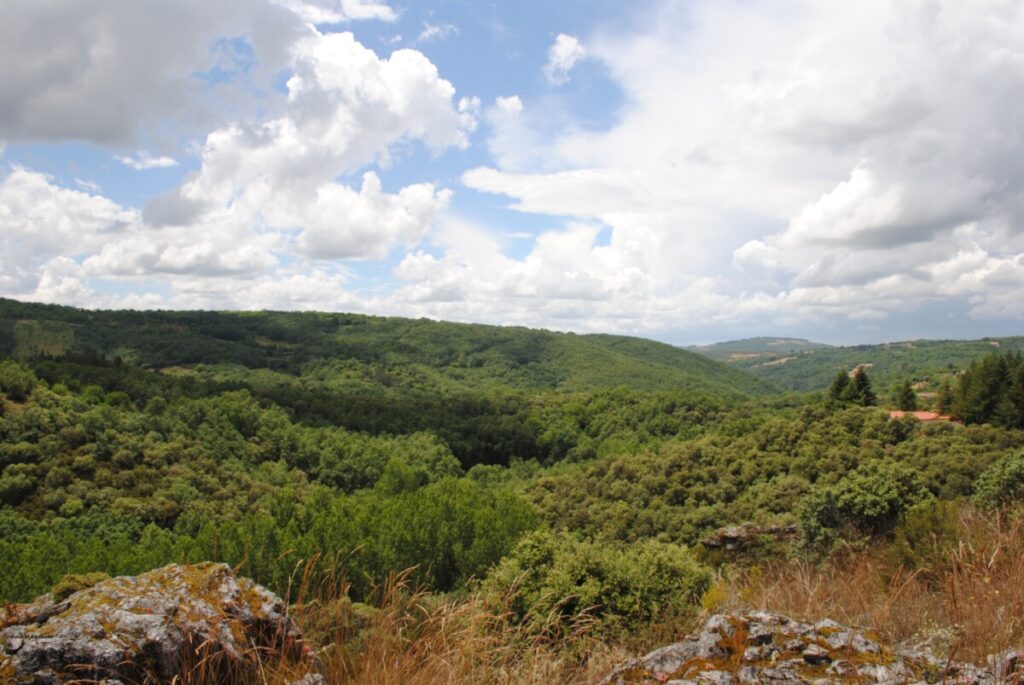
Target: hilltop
(756, 348)
(355, 349)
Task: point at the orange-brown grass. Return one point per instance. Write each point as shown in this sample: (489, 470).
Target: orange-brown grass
(965, 603)
(415, 638)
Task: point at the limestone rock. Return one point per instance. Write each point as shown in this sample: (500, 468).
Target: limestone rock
(760, 647)
(149, 629)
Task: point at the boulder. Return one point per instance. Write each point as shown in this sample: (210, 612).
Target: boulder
(152, 628)
(748, 536)
(762, 647)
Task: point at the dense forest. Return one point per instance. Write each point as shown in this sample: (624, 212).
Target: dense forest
(585, 471)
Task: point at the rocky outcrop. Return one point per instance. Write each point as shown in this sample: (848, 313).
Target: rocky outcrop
(150, 629)
(760, 647)
(747, 536)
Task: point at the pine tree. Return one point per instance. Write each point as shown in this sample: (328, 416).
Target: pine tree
(839, 387)
(906, 398)
(944, 403)
(865, 396)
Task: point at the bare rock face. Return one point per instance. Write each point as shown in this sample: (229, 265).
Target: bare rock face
(149, 629)
(761, 647)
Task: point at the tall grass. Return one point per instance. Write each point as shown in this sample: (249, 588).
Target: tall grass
(965, 602)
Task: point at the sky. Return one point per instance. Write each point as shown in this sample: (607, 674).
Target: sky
(684, 170)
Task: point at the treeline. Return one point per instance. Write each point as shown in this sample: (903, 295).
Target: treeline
(990, 390)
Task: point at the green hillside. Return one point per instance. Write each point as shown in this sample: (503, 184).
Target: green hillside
(753, 348)
(357, 349)
(927, 363)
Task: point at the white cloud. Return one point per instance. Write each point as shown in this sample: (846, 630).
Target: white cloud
(339, 11)
(341, 223)
(265, 204)
(40, 221)
(105, 70)
(510, 105)
(563, 55)
(88, 186)
(143, 161)
(803, 165)
(437, 32)
(346, 108)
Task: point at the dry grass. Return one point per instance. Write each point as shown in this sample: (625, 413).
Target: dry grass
(966, 604)
(415, 638)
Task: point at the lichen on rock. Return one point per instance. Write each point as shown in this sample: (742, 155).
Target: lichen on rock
(762, 647)
(149, 629)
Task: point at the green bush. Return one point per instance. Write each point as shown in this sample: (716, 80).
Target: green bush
(16, 381)
(868, 502)
(1001, 483)
(924, 536)
(553, 576)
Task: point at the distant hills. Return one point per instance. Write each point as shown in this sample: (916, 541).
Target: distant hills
(354, 350)
(754, 348)
(801, 365)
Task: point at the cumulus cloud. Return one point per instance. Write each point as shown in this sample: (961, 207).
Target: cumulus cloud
(563, 55)
(265, 202)
(104, 70)
(346, 108)
(40, 221)
(802, 166)
(342, 223)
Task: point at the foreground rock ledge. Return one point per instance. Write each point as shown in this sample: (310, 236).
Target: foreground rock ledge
(150, 629)
(760, 647)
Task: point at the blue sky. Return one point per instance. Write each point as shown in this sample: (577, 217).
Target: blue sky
(687, 171)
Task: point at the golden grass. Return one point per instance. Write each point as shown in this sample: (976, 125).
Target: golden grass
(966, 604)
(415, 638)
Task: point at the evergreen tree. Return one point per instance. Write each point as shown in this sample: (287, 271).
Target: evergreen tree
(906, 398)
(839, 388)
(945, 400)
(865, 396)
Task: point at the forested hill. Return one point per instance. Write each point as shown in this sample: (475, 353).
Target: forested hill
(753, 348)
(926, 363)
(370, 350)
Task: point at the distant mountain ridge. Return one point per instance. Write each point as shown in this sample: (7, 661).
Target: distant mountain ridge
(926, 363)
(359, 348)
(755, 347)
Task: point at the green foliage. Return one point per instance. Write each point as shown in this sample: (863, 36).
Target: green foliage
(448, 532)
(991, 390)
(370, 446)
(1002, 483)
(16, 381)
(550, 575)
(852, 390)
(929, 361)
(906, 398)
(868, 502)
(926, 533)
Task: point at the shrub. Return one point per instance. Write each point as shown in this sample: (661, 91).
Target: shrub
(869, 501)
(553, 576)
(16, 381)
(1001, 483)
